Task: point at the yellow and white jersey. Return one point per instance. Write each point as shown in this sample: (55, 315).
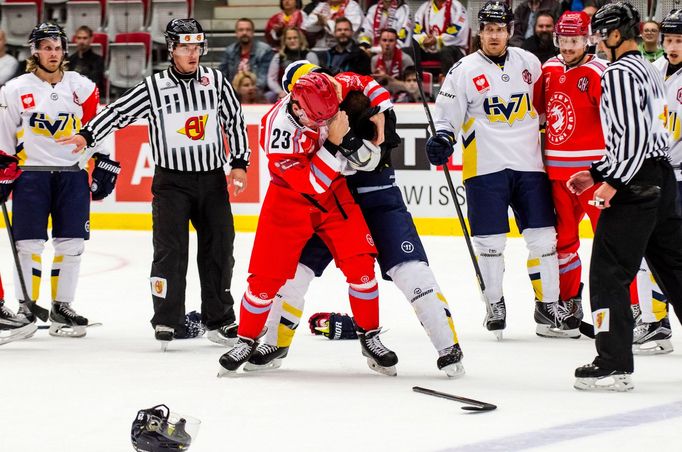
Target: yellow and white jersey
(33, 114)
(673, 90)
(490, 110)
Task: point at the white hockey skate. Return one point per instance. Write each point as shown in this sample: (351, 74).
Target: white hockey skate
(14, 327)
(164, 334)
(593, 378)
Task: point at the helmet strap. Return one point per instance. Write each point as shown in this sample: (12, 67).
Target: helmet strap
(578, 61)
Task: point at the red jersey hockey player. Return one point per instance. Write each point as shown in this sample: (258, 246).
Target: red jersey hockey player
(573, 140)
(306, 195)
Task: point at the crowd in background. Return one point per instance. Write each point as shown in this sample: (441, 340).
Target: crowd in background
(339, 36)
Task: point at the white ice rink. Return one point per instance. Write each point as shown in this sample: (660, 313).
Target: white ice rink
(68, 395)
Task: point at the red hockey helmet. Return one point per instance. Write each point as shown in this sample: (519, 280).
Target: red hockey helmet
(573, 23)
(316, 95)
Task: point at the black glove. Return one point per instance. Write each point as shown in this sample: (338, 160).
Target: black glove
(104, 177)
(333, 326)
(192, 327)
(9, 172)
(440, 147)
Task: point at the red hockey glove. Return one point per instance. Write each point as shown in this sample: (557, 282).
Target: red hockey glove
(9, 172)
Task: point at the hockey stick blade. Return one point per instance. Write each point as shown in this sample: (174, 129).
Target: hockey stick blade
(37, 310)
(587, 329)
(470, 404)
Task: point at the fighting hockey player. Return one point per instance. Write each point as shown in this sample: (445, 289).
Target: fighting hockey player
(402, 257)
(487, 99)
(190, 109)
(46, 104)
(302, 136)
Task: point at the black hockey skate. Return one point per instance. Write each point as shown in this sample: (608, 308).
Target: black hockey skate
(224, 335)
(25, 312)
(14, 327)
(652, 338)
(574, 305)
(496, 318)
(66, 322)
(379, 358)
(231, 361)
(593, 378)
(164, 334)
(554, 320)
(266, 357)
(450, 361)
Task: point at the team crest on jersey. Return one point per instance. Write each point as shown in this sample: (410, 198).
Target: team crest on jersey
(583, 84)
(159, 286)
(195, 127)
(481, 83)
(679, 95)
(516, 109)
(64, 125)
(527, 77)
(560, 118)
(562, 79)
(76, 100)
(204, 81)
(27, 101)
(601, 320)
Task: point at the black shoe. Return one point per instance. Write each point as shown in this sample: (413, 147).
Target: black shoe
(574, 305)
(554, 320)
(379, 357)
(224, 335)
(451, 361)
(591, 377)
(496, 317)
(238, 355)
(14, 327)
(66, 322)
(266, 356)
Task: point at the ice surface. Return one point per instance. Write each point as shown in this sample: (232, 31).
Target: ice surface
(82, 394)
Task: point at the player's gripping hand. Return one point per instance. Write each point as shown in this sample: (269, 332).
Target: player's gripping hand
(440, 147)
(9, 172)
(76, 140)
(338, 127)
(104, 176)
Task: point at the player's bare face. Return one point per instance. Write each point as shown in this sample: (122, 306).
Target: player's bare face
(494, 39)
(50, 54)
(186, 57)
(302, 117)
(672, 44)
(572, 48)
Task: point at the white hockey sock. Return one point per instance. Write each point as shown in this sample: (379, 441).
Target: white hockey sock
(489, 254)
(416, 281)
(30, 252)
(287, 308)
(66, 268)
(543, 263)
(652, 302)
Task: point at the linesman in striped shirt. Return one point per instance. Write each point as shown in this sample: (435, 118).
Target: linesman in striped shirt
(189, 107)
(640, 215)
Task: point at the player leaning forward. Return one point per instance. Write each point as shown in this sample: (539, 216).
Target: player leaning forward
(47, 104)
(188, 107)
(488, 97)
(302, 135)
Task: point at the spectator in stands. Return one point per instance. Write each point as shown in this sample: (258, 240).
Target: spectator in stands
(293, 47)
(390, 64)
(590, 10)
(541, 44)
(441, 28)
(247, 55)
(320, 24)
(525, 16)
(245, 85)
(291, 16)
(649, 47)
(345, 55)
(407, 89)
(8, 64)
(85, 61)
(385, 14)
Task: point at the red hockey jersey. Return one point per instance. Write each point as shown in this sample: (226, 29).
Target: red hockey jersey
(573, 135)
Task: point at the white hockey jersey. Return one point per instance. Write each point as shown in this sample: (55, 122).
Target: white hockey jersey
(673, 88)
(490, 110)
(449, 24)
(33, 114)
(379, 18)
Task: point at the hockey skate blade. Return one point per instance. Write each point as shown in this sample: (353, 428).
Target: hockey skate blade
(659, 347)
(388, 371)
(454, 370)
(18, 334)
(555, 333)
(272, 365)
(62, 330)
(222, 372)
(611, 383)
(470, 404)
(498, 334)
(47, 327)
(164, 345)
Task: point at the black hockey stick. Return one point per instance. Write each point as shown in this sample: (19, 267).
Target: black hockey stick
(38, 311)
(586, 329)
(470, 404)
(62, 169)
(446, 171)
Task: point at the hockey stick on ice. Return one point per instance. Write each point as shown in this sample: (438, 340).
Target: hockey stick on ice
(470, 404)
(446, 171)
(38, 311)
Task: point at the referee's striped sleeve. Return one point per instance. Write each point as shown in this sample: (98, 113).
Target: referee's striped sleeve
(134, 104)
(235, 127)
(627, 127)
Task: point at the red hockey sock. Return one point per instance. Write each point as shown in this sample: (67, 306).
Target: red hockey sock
(252, 315)
(364, 302)
(570, 269)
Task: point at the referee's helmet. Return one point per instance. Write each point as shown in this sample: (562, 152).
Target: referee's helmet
(620, 16)
(185, 31)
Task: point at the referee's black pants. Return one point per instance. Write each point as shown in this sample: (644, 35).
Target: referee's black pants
(644, 220)
(202, 198)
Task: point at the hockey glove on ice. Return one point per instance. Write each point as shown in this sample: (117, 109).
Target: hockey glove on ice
(192, 328)
(104, 177)
(9, 172)
(333, 326)
(440, 147)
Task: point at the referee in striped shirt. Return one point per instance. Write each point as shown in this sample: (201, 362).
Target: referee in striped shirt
(640, 216)
(188, 108)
